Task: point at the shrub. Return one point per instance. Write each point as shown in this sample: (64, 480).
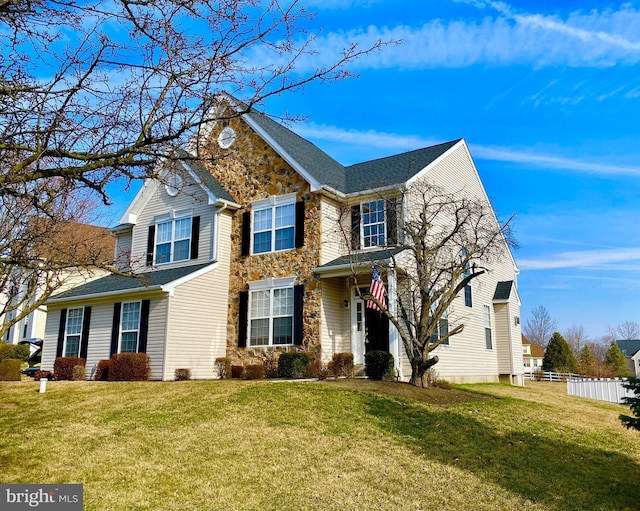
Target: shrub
(38, 375)
(293, 365)
(14, 351)
(182, 374)
(378, 365)
(341, 365)
(63, 367)
(253, 372)
(129, 367)
(223, 367)
(78, 373)
(442, 384)
(316, 369)
(632, 422)
(237, 371)
(10, 369)
(102, 370)
(271, 365)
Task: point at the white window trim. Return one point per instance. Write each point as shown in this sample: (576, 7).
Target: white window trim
(137, 330)
(272, 202)
(384, 223)
(268, 284)
(66, 332)
(487, 307)
(171, 216)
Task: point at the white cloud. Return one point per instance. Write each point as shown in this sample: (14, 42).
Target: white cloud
(593, 259)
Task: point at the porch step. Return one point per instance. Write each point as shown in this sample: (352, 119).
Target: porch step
(358, 370)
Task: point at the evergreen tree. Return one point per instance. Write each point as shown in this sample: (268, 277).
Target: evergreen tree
(558, 356)
(633, 403)
(586, 361)
(615, 361)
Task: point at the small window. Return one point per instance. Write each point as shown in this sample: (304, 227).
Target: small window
(373, 223)
(73, 332)
(129, 327)
(173, 240)
(487, 328)
(274, 228)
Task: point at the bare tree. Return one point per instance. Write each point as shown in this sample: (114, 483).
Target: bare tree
(539, 327)
(627, 330)
(94, 92)
(445, 242)
(576, 337)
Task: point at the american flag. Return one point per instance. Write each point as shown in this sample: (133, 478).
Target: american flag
(376, 289)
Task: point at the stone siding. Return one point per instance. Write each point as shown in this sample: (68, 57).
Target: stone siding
(251, 170)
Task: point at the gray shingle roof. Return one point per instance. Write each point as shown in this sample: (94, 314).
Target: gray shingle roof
(115, 283)
(203, 174)
(361, 258)
(503, 290)
(359, 177)
(629, 347)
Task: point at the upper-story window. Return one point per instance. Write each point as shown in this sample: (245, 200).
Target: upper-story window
(468, 299)
(173, 237)
(488, 337)
(374, 223)
(273, 224)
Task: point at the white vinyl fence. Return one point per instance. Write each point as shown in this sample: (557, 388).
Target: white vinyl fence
(606, 389)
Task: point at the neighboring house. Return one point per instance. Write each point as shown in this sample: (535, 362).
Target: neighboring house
(631, 351)
(532, 356)
(244, 256)
(33, 325)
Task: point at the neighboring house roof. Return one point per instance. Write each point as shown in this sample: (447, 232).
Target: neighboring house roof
(537, 351)
(116, 284)
(326, 171)
(525, 340)
(503, 291)
(629, 347)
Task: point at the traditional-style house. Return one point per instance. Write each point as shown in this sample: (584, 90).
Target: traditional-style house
(244, 255)
(532, 356)
(631, 351)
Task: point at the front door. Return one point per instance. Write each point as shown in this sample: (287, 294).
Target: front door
(369, 329)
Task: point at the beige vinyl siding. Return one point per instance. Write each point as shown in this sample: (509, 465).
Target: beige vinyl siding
(336, 320)
(503, 338)
(193, 198)
(123, 251)
(335, 223)
(197, 323)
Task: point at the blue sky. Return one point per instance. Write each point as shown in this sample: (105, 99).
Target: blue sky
(546, 94)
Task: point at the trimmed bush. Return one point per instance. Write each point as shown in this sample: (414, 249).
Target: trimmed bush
(223, 367)
(63, 367)
(38, 375)
(237, 371)
(253, 372)
(129, 367)
(316, 369)
(102, 370)
(293, 365)
(182, 374)
(442, 384)
(78, 373)
(270, 363)
(378, 365)
(14, 351)
(341, 365)
(10, 369)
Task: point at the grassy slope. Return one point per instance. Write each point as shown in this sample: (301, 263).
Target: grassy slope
(269, 445)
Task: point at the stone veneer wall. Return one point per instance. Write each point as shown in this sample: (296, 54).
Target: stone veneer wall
(250, 170)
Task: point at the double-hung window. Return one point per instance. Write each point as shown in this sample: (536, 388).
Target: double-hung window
(373, 223)
(468, 300)
(441, 331)
(173, 240)
(487, 327)
(129, 326)
(73, 332)
(271, 313)
(274, 223)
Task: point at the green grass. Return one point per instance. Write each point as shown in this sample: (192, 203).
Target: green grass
(283, 445)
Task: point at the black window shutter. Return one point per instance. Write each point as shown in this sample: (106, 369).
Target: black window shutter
(195, 236)
(299, 224)
(115, 328)
(61, 329)
(391, 207)
(246, 233)
(298, 294)
(84, 339)
(243, 317)
(144, 326)
(150, 244)
(355, 227)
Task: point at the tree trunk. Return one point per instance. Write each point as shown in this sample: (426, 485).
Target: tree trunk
(419, 371)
